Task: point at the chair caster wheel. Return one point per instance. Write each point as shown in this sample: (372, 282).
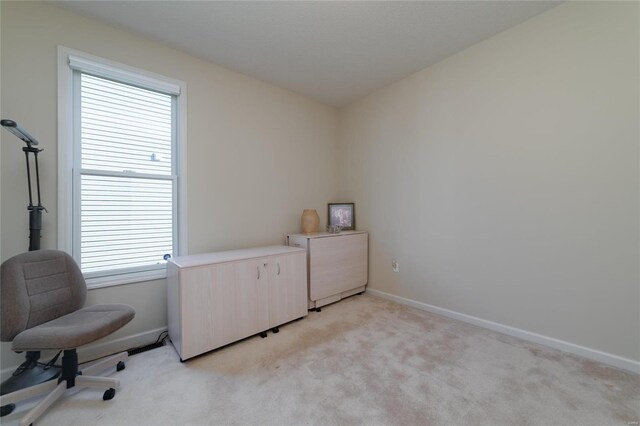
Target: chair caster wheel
(263, 334)
(120, 366)
(276, 330)
(7, 409)
(318, 309)
(109, 394)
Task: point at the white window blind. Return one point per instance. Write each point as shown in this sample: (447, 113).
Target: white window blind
(126, 176)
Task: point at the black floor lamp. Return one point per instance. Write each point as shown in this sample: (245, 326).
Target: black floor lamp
(35, 211)
(30, 372)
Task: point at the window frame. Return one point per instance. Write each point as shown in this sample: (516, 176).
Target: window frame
(70, 64)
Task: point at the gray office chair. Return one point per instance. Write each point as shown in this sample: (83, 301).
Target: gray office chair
(42, 294)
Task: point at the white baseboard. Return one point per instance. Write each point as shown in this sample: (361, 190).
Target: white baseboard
(93, 351)
(593, 354)
(100, 349)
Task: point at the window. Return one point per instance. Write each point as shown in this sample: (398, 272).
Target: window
(124, 189)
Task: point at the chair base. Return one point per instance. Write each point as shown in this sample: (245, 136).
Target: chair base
(70, 378)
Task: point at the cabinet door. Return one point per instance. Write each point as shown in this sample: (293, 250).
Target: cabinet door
(248, 303)
(206, 318)
(287, 288)
(221, 304)
(337, 264)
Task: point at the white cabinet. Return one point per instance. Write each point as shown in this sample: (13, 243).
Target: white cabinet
(337, 264)
(218, 298)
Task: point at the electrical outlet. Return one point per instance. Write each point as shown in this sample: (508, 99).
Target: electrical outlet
(394, 265)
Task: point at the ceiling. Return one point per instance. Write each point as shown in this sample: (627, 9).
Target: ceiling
(332, 51)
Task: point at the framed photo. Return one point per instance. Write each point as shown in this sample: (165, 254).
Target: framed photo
(343, 215)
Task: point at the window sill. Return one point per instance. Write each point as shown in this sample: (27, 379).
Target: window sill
(121, 279)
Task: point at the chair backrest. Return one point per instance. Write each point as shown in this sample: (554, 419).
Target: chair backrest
(36, 287)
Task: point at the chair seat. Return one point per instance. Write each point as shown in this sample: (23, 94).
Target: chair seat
(75, 329)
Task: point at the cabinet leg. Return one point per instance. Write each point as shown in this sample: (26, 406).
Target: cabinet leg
(263, 334)
(275, 330)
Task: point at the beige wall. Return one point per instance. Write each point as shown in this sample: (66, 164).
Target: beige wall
(504, 179)
(257, 154)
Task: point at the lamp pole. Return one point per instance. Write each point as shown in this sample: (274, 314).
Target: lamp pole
(35, 211)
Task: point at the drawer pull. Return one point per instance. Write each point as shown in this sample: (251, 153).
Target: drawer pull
(278, 268)
(258, 269)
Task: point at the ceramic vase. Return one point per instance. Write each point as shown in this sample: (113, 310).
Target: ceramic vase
(310, 221)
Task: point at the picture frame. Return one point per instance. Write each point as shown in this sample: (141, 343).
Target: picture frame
(342, 214)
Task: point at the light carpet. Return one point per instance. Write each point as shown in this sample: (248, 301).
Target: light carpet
(363, 360)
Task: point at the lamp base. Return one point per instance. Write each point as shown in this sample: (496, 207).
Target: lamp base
(28, 374)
